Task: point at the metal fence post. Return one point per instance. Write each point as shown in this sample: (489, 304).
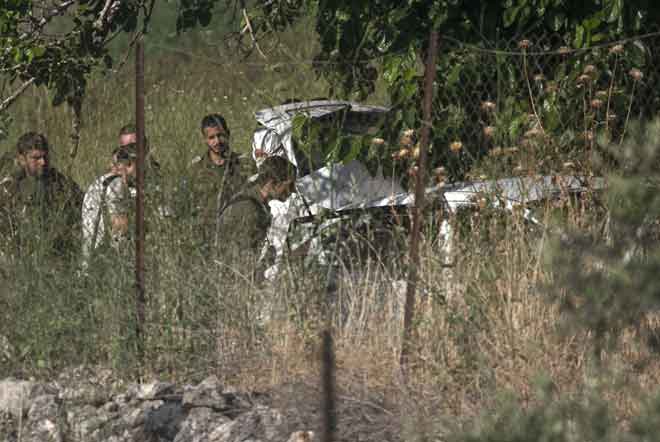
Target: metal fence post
(429, 78)
(140, 302)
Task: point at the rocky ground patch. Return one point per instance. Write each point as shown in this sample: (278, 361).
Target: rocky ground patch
(90, 405)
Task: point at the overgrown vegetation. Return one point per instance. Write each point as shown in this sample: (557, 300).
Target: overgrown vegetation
(551, 332)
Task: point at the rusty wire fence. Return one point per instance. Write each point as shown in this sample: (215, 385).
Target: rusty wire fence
(536, 105)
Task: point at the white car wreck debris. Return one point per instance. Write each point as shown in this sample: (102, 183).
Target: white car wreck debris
(327, 193)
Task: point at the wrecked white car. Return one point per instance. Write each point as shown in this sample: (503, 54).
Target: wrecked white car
(332, 194)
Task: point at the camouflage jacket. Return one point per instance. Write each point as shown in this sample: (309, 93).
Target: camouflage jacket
(210, 188)
(243, 224)
(43, 211)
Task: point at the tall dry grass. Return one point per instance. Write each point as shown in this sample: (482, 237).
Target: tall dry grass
(490, 325)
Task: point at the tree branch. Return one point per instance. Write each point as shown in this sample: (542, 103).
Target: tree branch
(9, 100)
(248, 27)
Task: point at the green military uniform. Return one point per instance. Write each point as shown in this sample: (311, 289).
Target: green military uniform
(211, 187)
(40, 213)
(242, 228)
(244, 222)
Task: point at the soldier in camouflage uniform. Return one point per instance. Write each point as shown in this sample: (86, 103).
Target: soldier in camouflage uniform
(245, 219)
(103, 195)
(216, 176)
(40, 206)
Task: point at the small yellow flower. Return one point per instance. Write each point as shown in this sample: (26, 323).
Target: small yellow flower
(496, 152)
(590, 69)
(488, 106)
(584, 78)
(533, 133)
(456, 146)
(616, 49)
(636, 74)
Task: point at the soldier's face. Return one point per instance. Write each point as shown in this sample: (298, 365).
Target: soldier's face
(35, 162)
(127, 139)
(216, 139)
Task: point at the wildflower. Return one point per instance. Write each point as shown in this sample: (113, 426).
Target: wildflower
(590, 69)
(589, 135)
(403, 153)
(456, 146)
(596, 103)
(564, 50)
(584, 78)
(416, 151)
(636, 74)
(524, 44)
(377, 141)
(533, 133)
(488, 106)
(407, 138)
(616, 49)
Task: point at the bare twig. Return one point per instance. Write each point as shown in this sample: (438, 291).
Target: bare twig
(17, 93)
(103, 16)
(248, 27)
(128, 51)
(76, 107)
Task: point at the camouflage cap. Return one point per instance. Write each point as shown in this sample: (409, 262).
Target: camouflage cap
(276, 168)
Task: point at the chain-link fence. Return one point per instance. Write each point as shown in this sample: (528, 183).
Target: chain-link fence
(538, 103)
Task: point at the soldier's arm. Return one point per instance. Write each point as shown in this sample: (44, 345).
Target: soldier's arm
(118, 203)
(238, 226)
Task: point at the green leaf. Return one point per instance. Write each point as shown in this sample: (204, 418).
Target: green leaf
(579, 37)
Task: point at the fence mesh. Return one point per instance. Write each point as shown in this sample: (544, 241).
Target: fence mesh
(530, 105)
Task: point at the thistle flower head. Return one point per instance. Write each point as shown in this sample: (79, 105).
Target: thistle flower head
(456, 146)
